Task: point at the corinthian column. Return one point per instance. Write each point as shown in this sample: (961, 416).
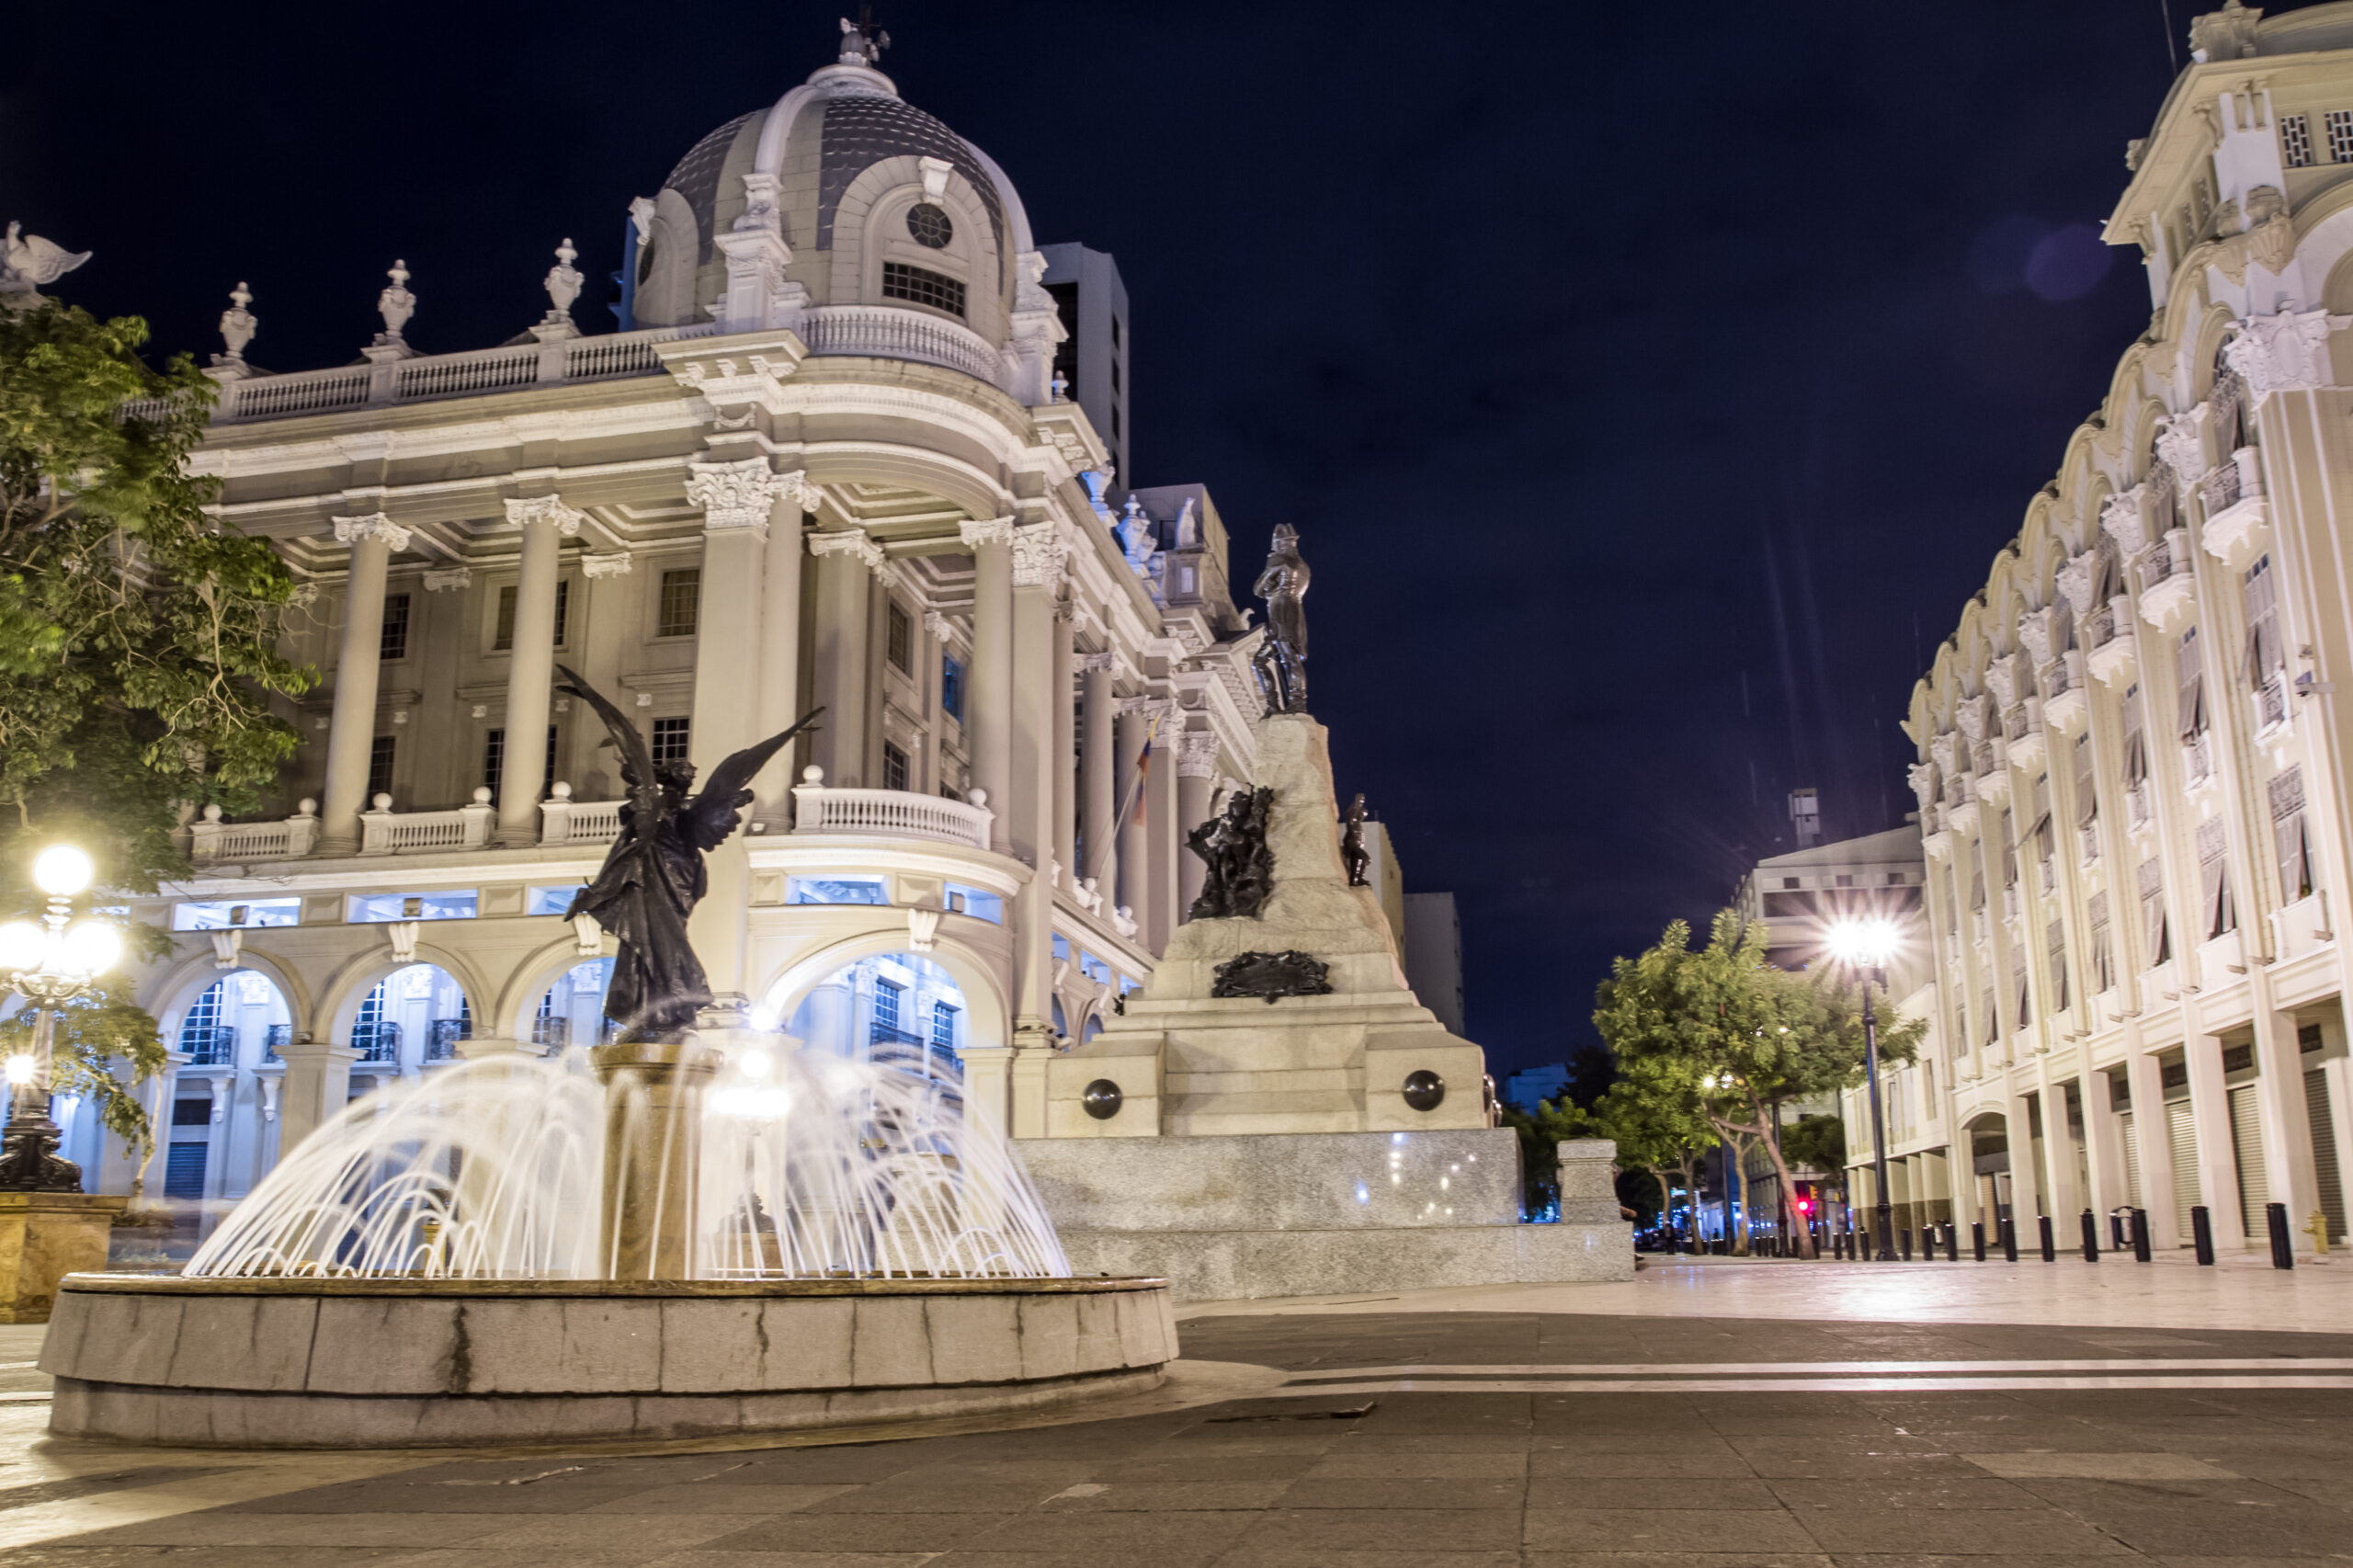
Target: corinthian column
(737, 499)
(546, 522)
(988, 734)
(847, 563)
(351, 731)
(1064, 755)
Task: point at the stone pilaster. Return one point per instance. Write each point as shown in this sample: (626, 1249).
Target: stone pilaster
(988, 728)
(1097, 792)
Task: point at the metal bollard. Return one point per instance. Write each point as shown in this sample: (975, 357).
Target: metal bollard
(2201, 1233)
(2283, 1246)
(2140, 1236)
(2115, 1231)
(2050, 1252)
(1977, 1238)
(1904, 1237)
(2091, 1237)
(1952, 1244)
(2009, 1240)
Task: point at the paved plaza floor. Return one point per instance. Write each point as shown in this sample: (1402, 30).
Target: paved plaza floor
(1710, 1416)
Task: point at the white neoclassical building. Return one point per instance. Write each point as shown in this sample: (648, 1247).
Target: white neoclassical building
(2133, 765)
(840, 455)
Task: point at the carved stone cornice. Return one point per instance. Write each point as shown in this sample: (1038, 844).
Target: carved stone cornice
(440, 578)
(1096, 664)
(1197, 754)
(978, 532)
(936, 624)
(375, 524)
(1039, 553)
(2075, 582)
(619, 564)
(1160, 707)
(532, 509)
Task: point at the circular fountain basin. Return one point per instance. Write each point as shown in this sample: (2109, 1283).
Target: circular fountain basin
(403, 1362)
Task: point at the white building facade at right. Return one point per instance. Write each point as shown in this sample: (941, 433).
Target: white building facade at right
(2132, 751)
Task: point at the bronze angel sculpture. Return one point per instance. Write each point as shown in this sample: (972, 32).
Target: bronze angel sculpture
(654, 875)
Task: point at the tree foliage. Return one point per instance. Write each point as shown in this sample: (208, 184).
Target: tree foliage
(138, 635)
(1541, 1134)
(1718, 1029)
(100, 1027)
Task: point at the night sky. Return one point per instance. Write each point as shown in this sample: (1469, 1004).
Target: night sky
(1651, 386)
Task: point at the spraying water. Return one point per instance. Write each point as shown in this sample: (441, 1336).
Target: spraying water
(809, 1165)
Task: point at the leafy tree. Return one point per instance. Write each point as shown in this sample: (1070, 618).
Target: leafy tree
(1819, 1142)
(1721, 1026)
(137, 634)
(1658, 1129)
(91, 1032)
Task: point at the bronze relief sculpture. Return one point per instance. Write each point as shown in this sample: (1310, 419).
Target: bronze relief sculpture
(653, 876)
(1233, 845)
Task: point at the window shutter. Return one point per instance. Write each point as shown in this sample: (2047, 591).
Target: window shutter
(2136, 745)
(2155, 949)
(1977, 887)
(2086, 798)
(2056, 936)
(2191, 680)
(2214, 914)
(2102, 971)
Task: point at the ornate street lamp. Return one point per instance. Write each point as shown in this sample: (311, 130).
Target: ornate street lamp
(1865, 946)
(48, 965)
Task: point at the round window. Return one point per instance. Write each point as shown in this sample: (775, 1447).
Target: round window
(930, 224)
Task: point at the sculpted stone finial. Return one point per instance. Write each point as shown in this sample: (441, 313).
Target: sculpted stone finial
(396, 304)
(562, 284)
(863, 42)
(237, 327)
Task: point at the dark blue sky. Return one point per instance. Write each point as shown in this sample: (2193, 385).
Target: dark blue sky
(1649, 387)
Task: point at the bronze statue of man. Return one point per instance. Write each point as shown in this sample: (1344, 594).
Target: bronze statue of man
(1280, 662)
(654, 876)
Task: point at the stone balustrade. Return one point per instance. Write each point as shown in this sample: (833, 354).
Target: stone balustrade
(210, 839)
(887, 332)
(564, 820)
(384, 831)
(896, 813)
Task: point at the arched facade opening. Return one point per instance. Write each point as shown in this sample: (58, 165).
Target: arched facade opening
(411, 1019)
(571, 1011)
(896, 1007)
(239, 1020)
(216, 1131)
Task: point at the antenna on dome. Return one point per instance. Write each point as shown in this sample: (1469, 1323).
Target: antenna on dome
(863, 42)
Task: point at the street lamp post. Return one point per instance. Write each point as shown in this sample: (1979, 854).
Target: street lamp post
(48, 965)
(1865, 946)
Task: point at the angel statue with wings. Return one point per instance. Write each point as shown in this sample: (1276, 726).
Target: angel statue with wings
(654, 876)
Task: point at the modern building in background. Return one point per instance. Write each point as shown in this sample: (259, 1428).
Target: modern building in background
(2132, 749)
(1092, 360)
(1434, 956)
(827, 466)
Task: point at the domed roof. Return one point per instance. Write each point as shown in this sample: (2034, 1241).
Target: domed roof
(850, 118)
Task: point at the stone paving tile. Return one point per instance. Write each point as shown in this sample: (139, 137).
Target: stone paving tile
(1385, 1529)
(1361, 1492)
(1346, 1466)
(607, 1532)
(1249, 1556)
(514, 1557)
(782, 1560)
(1859, 1466)
(1663, 1469)
(713, 1497)
(1973, 1531)
(1673, 1441)
(1212, 1467)
(227, 1526)
(1440, 1443)
(1665, 1531)
(912, 1495)
(1592, 1492)
(1166, 1496)
(857, 1532)
(2214, 1519)
(2334, 1492)
(398, 1495)
(1675, 1559)
(1115, 1536)
(1905, 1493)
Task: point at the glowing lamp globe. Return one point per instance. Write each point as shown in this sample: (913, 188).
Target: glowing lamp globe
(21, 945)
(1867, 943)
(63, 870)
(21, 1069)
(93, 947)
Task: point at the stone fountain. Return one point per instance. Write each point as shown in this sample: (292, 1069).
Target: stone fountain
(699, 1230)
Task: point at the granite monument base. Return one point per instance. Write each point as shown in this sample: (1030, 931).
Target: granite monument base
(1314, 1214)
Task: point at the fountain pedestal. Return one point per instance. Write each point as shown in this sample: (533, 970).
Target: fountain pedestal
(652, 1137)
